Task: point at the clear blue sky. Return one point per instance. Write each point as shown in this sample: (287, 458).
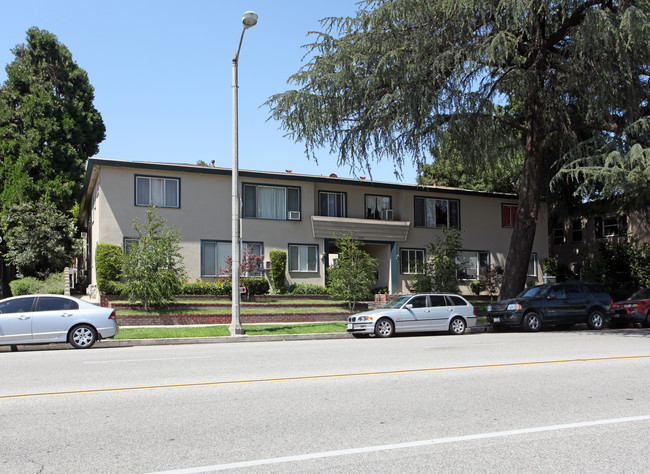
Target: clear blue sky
(162, 73)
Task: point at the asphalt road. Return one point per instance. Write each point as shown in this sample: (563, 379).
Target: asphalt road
(557, 401)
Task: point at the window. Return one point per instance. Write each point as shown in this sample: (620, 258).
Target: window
(419, 301)
(331, 204)
(610, 227)
(51, 303)
(215, 257)
(160, 192)
(576, 232)
(18, 305)
(558, 235)
(377, 207)
(431, 212)
(532, 265)
(128, 243)
(303, 258)
(508, 215)
(471, 264)
(270, 202)
(411, 261)
(437, 300)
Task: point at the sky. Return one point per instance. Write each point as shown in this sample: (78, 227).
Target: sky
(162, 73)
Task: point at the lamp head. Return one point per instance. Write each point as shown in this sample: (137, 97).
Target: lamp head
(249, 19)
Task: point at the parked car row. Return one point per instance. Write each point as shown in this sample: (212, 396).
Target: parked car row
(38, 319)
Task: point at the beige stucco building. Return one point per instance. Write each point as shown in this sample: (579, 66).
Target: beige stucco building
(299, 214)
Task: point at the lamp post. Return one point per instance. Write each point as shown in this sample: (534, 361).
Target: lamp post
(248, 20)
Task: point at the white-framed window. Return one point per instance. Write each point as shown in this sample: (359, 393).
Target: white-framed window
(331, 204)
(216, 253)
(411, 261)
(157, 191)
(270, 202)
(471, 264)
(532, 265)
(377, 207)
(440, 213)
(611, 227)
(303, 258)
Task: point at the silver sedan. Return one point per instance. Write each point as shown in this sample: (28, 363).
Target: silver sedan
(415, 313)
(38, 319)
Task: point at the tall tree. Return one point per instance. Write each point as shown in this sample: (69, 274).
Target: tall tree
(389, 83)
(48, 129)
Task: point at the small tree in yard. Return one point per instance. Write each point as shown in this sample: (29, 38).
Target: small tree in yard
(440, 272)
(153, 270)
(353, 275)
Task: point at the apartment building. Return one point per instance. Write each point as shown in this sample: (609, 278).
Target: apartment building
(302, 215)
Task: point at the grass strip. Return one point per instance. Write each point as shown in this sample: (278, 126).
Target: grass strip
(222, 330)
(227, 310)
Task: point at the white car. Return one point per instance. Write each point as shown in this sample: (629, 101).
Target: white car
(415, 313)
(38, 319)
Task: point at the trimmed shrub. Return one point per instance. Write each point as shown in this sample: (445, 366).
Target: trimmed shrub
(55, 284)
(216, 288)
(307, 289)
(254, 286)
(109, 261)
(278, 270)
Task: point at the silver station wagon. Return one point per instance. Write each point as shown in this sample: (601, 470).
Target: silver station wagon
(415, 313)
(38, 319)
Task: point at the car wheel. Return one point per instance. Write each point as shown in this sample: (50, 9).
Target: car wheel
(384, 328)
(531, 322)
(595, 320)
(647, 320)
(82, 336)
(457, 326)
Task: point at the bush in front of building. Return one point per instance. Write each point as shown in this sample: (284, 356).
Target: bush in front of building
(278, 270)
(254, 286)
(307, 289)
(54, 284)
(109, 262)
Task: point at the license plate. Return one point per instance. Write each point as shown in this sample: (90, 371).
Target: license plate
(496, 320)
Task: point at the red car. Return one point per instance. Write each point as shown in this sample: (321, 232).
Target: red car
(635, 309)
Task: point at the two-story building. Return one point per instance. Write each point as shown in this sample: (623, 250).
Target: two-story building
(302, 215)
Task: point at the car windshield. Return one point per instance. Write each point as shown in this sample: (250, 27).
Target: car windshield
(533, 292)
(397, 302)
(643, 294)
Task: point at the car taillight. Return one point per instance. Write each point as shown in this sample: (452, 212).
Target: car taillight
(474, 311)
(112, 316)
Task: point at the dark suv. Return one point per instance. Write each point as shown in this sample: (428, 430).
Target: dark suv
(558, 304)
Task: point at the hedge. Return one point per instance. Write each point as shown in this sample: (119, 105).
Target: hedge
(254, 286)
(55, 284)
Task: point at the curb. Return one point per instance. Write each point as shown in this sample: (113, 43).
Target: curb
(106, 343)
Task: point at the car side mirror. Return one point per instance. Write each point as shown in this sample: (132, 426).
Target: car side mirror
(550, 297)
(408, 306)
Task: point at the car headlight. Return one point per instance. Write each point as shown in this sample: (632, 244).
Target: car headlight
(364, 318)
(630, 306)
(489, 308)
(514, 307)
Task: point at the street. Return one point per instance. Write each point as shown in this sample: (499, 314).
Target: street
(555, 401)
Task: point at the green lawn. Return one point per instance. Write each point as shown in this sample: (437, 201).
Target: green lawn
(222, 330)
(243, 310)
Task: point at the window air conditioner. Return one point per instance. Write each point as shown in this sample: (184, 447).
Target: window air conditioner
(294, 215)
(387, 215)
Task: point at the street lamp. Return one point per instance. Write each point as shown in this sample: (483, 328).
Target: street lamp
(248, 20)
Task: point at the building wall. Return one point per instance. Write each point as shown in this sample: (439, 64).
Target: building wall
(205, 214)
